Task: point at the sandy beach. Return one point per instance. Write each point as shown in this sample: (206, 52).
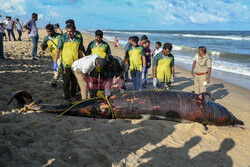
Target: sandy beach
(79, 141)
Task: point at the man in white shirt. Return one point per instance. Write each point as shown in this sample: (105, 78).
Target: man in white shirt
(82, 67)
(9, 27)
(158, 48)
(19, 29)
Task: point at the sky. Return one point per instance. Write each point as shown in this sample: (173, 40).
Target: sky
(135, 14)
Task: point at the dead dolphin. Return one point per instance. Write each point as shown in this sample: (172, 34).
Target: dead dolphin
(159, 104)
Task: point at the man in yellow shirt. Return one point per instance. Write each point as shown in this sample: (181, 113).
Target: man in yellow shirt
(51, 42)
(163, 67)
(100, 48)
(137, 63)
(70, 46)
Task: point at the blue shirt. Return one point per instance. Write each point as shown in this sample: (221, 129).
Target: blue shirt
(33, 29)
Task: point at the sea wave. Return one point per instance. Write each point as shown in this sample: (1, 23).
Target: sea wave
(125, 32)
(229, 37)
(242, 69)
(213, 53)
(111, 38)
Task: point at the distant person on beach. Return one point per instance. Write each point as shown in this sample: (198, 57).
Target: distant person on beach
(148, 61)
(82, 67)
(51, 42)
(58, 29)
(144, 38)
(101, 48)
(126, 61)
(163, 68)
(19, 29)
(114, 68)
(77, 34)
(116, 42)
(70, 46)
(203, 67)
(137, 63)
(9, 27)
(2, 31)
(1, 46)
(30, 25)
(158, 48)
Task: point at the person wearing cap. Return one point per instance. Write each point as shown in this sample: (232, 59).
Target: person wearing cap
(51, 42)
(82, 67)
(163, 67)
(58, 29)
(70, 46)
(137, 63)
(203, 67)
(77, 34)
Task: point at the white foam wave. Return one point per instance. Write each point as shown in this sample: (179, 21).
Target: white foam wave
(242, 69)
(125, 32)
(229, 37)
(193, 50)
(111, 38)
(184, 48)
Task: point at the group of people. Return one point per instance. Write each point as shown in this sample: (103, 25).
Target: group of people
(138, 60)
(9, 25)
(94, 68)
(30, 26)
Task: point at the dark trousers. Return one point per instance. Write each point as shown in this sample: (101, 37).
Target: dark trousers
(69, 80)
(19, 34)
(1, 45)
(10, 31)
(34, 48)
(98, 81)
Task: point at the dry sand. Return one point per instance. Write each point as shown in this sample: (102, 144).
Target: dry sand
(79, 141)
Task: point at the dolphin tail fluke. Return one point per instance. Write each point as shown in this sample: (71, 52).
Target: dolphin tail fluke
(21, 96)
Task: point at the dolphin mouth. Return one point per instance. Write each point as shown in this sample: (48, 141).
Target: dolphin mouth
(239, 122)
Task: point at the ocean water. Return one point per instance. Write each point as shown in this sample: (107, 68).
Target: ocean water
(229, 50)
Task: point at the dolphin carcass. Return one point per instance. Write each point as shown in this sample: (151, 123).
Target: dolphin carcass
(159, 104)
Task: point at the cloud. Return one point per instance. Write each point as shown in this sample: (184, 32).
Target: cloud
(40, 16)
(133, 14)
(13, 7)
(201, 12)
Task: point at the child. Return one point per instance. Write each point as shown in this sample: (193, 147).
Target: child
(137, 63)
(2, 30)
